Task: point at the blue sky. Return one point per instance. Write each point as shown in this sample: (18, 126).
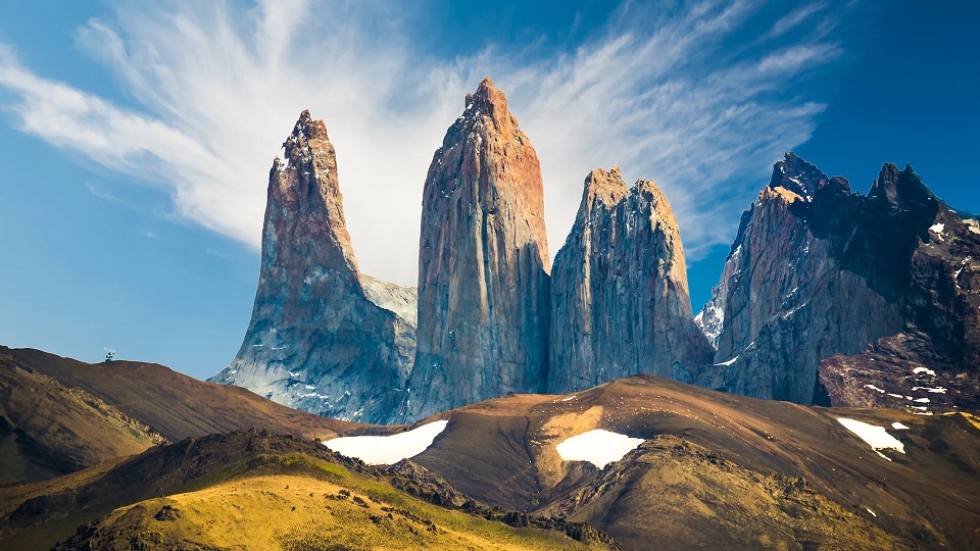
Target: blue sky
(136, 137)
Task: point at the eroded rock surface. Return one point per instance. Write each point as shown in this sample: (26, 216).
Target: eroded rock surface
(817, 271)
(620, 303)
(483, 264)
(323, 337)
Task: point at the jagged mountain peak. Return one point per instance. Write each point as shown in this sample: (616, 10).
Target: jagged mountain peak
(650, 191)
(487, 114)
(902, 187)
(487, 99)
(624, 243)
(483, 263)
(307, 133)
(798, 176)
(606, 187)
(315, 316)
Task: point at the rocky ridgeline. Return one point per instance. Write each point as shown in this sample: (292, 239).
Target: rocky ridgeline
(827, 296)
(834, 297)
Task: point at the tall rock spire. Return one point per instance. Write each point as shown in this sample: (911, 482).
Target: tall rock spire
(323, 338)
(483, 264)
(620, 303)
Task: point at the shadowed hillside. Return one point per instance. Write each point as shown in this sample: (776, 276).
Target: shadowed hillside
(731, 461)
(175, 405)
(255, 490)
(48, 430)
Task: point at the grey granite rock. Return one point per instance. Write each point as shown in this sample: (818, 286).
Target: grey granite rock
(823, 283)
(620, 303)
(323, 337)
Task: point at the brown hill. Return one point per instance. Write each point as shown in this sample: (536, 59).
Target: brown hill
(715, 471)
(47, 430)
(175, 405)
(724, 461)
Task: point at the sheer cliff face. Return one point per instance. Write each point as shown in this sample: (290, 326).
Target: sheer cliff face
(483, 264)
(933, 365)
(817, 271)
(620, 303)
(316, 340)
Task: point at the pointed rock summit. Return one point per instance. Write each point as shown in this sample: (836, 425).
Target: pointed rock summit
(620, 303)
(837, 298)
(798, 176)
(483, 264)
(323, 337)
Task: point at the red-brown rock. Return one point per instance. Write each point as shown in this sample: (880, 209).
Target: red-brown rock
(483, 264)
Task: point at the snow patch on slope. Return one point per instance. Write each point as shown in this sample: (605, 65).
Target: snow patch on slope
(599, 447)
(876, 437)
(387, 450)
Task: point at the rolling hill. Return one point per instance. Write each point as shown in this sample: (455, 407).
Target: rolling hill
(252, 490)
(795, 474)
(705, 470)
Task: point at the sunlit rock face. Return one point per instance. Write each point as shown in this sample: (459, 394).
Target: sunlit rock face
(620, 303)
(483, 264)
(822, 284)
(323, 337)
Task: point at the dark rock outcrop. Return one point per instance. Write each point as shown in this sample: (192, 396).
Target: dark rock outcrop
(933, 365)
(483, 264)
(817, 271)
(323, 337)
(619, 303)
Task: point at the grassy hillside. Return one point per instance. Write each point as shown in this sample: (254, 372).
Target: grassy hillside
(259, 491)
(692, 498)
(714, 471)
(47, 430)
(333, 509)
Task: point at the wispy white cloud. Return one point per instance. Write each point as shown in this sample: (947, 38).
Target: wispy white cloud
(97, 191)
(218, 88)
(794, 19)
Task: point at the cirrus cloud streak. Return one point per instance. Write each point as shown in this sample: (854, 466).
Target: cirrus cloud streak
(676, 95)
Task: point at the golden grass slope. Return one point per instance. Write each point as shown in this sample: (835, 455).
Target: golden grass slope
(213, 483)
(296, 503)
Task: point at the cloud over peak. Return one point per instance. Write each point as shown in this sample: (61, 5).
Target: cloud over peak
(682, 95)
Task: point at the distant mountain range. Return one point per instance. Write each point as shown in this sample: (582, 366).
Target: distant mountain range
(828, 297)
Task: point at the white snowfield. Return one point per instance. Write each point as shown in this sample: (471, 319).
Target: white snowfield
(599, 447)
(876, 437)
(387, 450)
